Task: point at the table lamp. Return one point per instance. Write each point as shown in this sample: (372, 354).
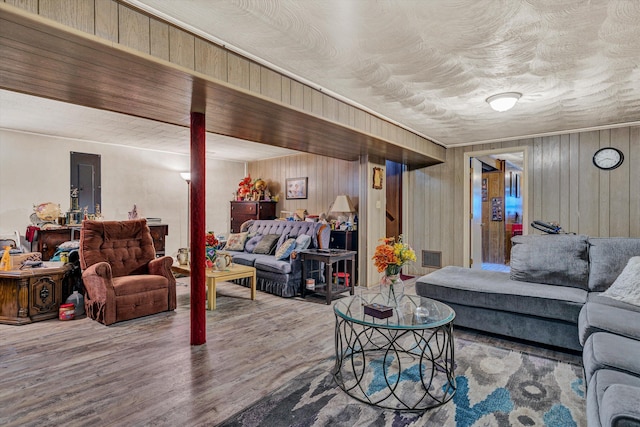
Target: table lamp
(342, 204)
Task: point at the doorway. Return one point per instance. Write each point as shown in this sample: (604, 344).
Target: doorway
(85, 181)
(495, 205)
(393, 212)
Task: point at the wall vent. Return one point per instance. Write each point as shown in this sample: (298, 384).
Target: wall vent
(432, 259)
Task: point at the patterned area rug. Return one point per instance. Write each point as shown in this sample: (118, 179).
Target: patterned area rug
(495, 387)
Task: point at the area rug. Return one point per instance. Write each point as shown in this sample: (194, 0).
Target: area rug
(495, 387)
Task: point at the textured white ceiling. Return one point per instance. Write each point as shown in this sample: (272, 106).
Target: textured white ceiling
(430, 64)
(27, 113)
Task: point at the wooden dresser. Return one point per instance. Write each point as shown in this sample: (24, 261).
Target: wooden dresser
(244, 211)
(49, 240)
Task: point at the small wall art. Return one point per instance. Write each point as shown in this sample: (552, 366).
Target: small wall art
(296, 188)
(377, 178)
(496, 209)
(485, 190)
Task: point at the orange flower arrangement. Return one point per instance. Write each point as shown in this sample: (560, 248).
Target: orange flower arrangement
(391, 255)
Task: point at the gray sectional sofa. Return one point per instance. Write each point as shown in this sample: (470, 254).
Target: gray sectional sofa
(276, 276)
(554, 295)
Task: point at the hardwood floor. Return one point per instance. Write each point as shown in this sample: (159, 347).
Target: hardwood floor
(145, 372)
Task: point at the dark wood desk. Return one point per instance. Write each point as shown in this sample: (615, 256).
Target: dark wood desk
(49, 240)
(329, 257)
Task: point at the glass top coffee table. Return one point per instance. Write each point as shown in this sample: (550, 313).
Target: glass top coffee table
(401, 362)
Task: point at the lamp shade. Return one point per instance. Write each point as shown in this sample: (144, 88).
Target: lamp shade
(503, 101)
(186, 176)
(342, 204)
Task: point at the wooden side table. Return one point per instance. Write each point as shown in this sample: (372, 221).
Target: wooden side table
(329, 257)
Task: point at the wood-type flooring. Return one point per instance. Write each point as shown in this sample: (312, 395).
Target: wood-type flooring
(145, 372)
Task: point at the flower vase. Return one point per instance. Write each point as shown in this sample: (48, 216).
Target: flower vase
(392, 289)
(210, 256)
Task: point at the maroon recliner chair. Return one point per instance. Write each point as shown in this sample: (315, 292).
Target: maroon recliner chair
(121, 274)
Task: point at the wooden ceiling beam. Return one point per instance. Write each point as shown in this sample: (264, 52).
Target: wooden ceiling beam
(46, 59)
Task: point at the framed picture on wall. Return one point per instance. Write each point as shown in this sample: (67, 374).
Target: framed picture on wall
(377, 178)
(296, 188)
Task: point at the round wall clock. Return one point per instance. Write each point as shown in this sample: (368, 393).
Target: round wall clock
(608, 158)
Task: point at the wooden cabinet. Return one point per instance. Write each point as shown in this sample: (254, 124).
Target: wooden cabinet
(49, 240)
(158, 234)
(244, 211)
(342, 239)
(31, 295)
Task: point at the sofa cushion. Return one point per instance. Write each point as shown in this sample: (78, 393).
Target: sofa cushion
(267, 244)
(245, 258)
(270, 263)
(302, 242)
(494, 290)
(251, 243)
(609, 351)
(318, 232)
(235, 242)
(285, 249)
(129, 285)
(626, 288)
(555, 259)
(608, 256)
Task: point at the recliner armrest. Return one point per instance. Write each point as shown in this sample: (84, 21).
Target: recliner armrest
(100, 293)
(161, 267)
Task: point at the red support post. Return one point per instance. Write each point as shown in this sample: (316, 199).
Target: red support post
(197, 218)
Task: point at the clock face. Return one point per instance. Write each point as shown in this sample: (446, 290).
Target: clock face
(608, 158)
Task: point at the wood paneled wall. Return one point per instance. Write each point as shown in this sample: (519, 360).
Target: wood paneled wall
(327, 178)
(122, 24)
(563, 185)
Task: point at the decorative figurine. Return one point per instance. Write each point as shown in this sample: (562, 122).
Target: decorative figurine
(133, 214)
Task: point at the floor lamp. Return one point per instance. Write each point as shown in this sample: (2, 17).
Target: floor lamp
(187, 177)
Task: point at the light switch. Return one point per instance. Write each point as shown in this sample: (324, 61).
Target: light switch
(378, 204)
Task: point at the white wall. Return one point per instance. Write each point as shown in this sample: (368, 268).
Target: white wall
(35, 169)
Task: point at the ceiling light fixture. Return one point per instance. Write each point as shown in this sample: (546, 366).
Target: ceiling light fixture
(504, 101)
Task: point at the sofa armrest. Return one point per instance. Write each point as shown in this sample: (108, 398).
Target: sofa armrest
(619, 406)
(100, 294)
(597, 317)
(324, 236)
(162, 267)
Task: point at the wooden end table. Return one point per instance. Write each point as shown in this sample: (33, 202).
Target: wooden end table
(31, 294)
(328, 257)
(236, 271)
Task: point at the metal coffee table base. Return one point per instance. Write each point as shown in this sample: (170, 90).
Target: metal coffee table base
(398, 369)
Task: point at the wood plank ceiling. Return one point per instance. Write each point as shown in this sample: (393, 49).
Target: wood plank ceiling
(56, 62)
